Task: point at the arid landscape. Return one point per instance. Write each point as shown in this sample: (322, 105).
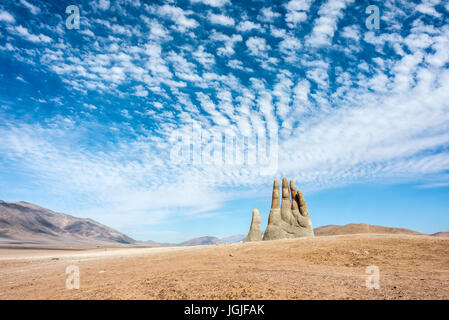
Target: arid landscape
(37, 246)
(326, 267)
(142, 141)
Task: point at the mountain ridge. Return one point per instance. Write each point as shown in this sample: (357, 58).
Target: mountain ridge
(29, 223)
(199, 241)
(355, 228)
(23, 222)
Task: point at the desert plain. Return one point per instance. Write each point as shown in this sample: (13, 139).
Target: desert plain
(325, 267)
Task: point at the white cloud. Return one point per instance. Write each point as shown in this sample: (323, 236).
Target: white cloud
(298, 5)
(33, 9)
(212, 3)
(158, 31)
(257, 46)
(140, 91)
(297, 11)
(203, 57)
(440, 56)
(282, 92)
(184, 69)
(295, 17)
(434, 185)
(104, 4)
(158, 105)
(87, 32)
(290, 46)
(237, 64)
(120, 29)
(113, 192)
(90, 106)
(320, 76)
(301, 96)
(325, 26)
(268, 15)
(155, 63)
(229, 42)
(376, 148)
(351, 32)
(221, 19)
(6, 17)
(247, 25)
(176, 15)
(24, 33)
(21, 79)
(278, 33)
(428, 7)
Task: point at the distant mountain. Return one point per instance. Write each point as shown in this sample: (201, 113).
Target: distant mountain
(441, 234)
(354, 228)
(22, 222)
(234, 238)
(157, 244)
(152, 243)
(201, 241)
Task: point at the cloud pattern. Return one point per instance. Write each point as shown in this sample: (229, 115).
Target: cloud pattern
(87, 114)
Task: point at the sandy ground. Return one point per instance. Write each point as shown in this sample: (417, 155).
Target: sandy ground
(332, 267)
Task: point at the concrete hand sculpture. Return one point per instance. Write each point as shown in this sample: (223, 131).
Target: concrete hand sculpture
(289, 219)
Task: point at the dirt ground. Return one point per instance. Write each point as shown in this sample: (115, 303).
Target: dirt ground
(331, 267)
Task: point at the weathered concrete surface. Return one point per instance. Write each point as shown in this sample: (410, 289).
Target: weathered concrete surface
(289, 218)
(254, 233)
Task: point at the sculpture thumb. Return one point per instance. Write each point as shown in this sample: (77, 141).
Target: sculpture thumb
(254, 233)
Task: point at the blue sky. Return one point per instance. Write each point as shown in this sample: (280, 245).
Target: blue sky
(89, 117)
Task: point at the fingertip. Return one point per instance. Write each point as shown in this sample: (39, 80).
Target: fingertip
(302, 203)
(292, 185)
(275, 202)
(256, 215)
(285, 191)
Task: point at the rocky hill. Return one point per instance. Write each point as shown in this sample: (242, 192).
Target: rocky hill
(355, 228)
(22, 222)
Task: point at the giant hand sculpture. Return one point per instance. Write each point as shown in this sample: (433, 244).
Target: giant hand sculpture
(290, 219)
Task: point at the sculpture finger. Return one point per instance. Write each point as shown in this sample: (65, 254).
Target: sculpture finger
(293, 192)
(286, 204)
(295, 207)
(302, 204)
(275, 203)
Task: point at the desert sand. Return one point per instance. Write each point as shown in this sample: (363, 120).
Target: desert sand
(328, 267)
